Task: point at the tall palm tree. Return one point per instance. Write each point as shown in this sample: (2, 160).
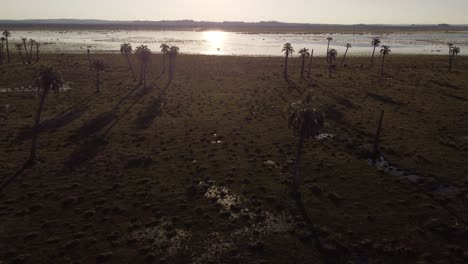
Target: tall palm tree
(173, 52)
(375, 43)
(6, 34)
(144, 54)
(307, 123)
(348, 46)
(453, 53)
(304, 54)
(19, 47)
(450, 46)
(288, 50)
(384, 51)
(37, 50)
(2, 54)
(165, 51)
(98, 66)
(331, 61)
(25, 48)
(328, 47)
(310, 63)
(31, 44)
(47, 80)
(126, 49)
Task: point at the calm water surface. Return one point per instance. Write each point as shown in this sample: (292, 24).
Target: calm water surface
(232, 43)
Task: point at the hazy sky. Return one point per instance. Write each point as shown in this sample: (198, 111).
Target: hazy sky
(309, 11)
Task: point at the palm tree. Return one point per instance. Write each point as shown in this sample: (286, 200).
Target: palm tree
(332, 54)
(144, 54)
(126, 49)
(173, 52)
(454, 51)
(25, 48)
(288, 50)
(310, 63)
(37, 50)
(164, 50)
(98, 66)
(375, 43)
(307, 123)
(384, 51)
(31, 44)
(328, 47)
(304, 54)
(7, 34)
(47, 79)
(348, 45)
(19, 47)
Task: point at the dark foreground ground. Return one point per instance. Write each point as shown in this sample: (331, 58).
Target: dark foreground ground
(203, 174)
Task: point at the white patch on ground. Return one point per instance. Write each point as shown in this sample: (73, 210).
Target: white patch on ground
(270, 163)
(64, 88)
(324, 136)
(224, 198)
(214, 247)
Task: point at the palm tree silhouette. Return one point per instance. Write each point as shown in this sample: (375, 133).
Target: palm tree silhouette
(288, 50)
(348, 46)
(25, 48)
(307, 123)
(332, 58)
(304, 54)
(384, 51)
(375, 43)
(2, 54)
(98, 66)
(37, 50)
(454, 51)
(173, 52)
(126, 49)
(310, 63)
(47, 80)
(144, 54)
(7, 34)
(31, 44)
(165, 51)
(328, 47)
(19, 47)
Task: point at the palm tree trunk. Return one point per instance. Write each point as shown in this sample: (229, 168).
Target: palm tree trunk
(1, 54)
(36, 128)
(98, 81)
(373, 54)
(164, 63)
(131, 67)
(302, 66)
(21, 55)
(8, 50)
(383, 63)
(171, 68)
(344, 57)
(310, 63)
(89, 60)
(329, 69)
(144, 74)
(285, 72)
(328, 50)
(37, 53)
(26, 50)
(297, 164)
(30, 53)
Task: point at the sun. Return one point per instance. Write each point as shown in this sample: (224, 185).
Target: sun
(215, 41)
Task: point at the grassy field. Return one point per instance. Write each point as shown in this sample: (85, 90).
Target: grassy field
(202, 175)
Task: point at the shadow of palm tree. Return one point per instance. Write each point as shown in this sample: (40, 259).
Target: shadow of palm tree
(85, 152)
(147, 116)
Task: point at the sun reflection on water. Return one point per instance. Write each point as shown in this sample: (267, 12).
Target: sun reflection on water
(215, 40)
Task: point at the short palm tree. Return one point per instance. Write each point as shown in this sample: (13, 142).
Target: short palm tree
(37, 50)
(31, 44)
(173, 52)
(348, 46)
(126, 49)
(454, 51)
(47, 80)
(307, 123)
(375, 43)
(25, 48)
(6, 34)
(98, 66)
(144, 54)
(165, 51)
(384, 51)
(310, 63)
(2, 45)
(304, 54)
(288, 51)
(19, 48)
(328, 47)
(331, 60)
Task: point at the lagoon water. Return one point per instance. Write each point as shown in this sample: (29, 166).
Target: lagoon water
(232, 43)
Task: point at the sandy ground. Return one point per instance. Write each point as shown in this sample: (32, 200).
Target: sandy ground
(203, 174)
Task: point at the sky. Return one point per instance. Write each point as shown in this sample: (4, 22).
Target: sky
(300, 11)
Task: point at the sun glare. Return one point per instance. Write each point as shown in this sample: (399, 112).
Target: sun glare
(215, 40)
